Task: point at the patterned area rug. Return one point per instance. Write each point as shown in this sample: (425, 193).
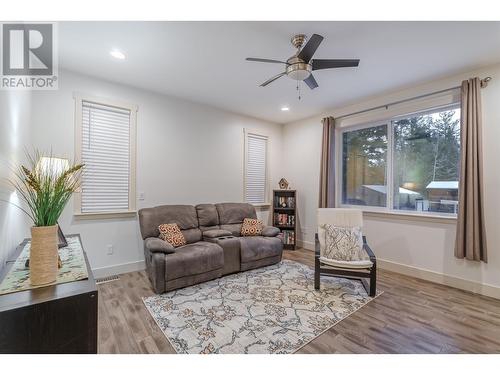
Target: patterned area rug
(273, 309)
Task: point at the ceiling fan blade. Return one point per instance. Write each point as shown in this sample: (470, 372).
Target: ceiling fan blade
(333, 63)
(272, 79)
(265, 60)
(311, 82)
(311, 46)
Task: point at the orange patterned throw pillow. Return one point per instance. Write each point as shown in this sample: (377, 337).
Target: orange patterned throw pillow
(172, 234)
(251, 227)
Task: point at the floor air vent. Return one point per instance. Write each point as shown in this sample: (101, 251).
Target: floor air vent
(102, 280)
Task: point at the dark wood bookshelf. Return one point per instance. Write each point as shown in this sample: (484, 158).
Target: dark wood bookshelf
(285, 216)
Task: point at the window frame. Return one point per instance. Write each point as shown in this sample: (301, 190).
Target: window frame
(258, 133)
(389, 121)
(132, 201)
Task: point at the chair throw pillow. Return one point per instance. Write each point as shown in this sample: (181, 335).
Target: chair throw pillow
(251, 227)
(172, 234)
(344, 244)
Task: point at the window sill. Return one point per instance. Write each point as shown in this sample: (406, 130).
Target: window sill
(409, 215)
(261, 205)
(104, 215)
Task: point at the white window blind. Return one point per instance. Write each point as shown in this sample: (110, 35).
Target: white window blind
(105, 151)
(256, 168)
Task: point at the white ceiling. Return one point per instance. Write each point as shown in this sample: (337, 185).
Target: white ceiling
(205, 61)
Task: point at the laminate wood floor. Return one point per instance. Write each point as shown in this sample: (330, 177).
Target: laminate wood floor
(411, 316)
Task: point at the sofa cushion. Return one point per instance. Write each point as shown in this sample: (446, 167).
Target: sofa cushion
(214, 233)
(208, 218)
(251, 227)
(171, 234)
(255, 248)
(193, 259)
(192, 235)
(183, 215)
(235, 213)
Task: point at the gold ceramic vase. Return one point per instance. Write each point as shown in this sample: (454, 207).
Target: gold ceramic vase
(43, 255)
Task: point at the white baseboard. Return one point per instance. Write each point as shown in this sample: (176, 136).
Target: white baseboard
(308, 245)
(118, 269)
(436, 277)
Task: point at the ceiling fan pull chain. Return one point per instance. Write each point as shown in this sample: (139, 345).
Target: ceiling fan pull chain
(298, 88)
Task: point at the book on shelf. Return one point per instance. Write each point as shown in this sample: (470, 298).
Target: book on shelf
(285, 202)
(284, 219)
(288, 237)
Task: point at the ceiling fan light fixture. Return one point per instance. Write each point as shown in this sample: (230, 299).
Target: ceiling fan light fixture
(300, 66)
(285, 108)
(298, 70)
(298, 74)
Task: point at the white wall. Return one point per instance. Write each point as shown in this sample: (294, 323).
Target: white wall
(15, 116)
(186, 154)
(420, 247)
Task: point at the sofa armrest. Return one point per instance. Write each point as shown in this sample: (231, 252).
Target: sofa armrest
(269, 231)
(157, 245)
(214, 233)
(155, 269)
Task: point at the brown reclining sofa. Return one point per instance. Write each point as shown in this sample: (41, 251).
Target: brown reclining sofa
(214, 246)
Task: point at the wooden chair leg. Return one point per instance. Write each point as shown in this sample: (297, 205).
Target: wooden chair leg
(317, 273)
(373, 280)
(317, 265)
(365, 285)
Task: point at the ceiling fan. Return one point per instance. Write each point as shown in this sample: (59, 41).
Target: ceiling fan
(300, 66)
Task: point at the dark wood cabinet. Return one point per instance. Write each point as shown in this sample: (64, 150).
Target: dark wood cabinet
(59, 318)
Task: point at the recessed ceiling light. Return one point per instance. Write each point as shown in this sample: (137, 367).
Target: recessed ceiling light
(284, 109)
(117, 54)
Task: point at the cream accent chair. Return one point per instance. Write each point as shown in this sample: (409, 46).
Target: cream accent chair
(362, 270)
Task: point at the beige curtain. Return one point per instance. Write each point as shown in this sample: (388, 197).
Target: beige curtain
(327, 172)
(471, 234)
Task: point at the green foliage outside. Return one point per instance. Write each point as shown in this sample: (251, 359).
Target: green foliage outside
(426, 148)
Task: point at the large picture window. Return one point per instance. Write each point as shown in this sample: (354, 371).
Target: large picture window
(409, 163)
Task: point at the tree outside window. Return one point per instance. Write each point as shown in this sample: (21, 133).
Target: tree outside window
(425, 157)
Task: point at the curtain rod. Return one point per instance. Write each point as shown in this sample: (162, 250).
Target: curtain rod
(484, 83)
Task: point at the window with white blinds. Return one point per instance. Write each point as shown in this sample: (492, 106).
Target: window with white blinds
(107, 143)
(255, 168)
